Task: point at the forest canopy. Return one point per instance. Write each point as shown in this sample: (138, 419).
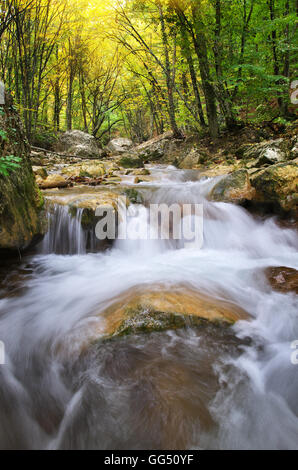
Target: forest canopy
(138, 68)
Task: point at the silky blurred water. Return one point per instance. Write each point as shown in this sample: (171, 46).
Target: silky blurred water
(210, 387)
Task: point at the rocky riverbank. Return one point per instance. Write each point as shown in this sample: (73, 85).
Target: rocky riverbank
(259, 170)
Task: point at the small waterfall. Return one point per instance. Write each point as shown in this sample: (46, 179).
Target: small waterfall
(65, 235)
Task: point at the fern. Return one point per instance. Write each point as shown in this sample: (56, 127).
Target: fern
(9, 163)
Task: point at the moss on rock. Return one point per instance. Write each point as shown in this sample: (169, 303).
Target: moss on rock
(21, 202)
(131, 161)
(278, 185)
(235, 187)
(159, 309)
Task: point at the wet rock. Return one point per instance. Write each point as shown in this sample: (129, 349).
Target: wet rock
(84, 180)
(134, 196)
(218, 170)
(139, 180)
(278, 185)
(159, 309)
(283, 279)
(131, 161)
(235, 188)
(112, 180)
(192, 160)
(89, 169)
(51, 181)
(21, 203)
(40, 171)
(119, 145)
(88, 202)
(141, 172)
(78, 143)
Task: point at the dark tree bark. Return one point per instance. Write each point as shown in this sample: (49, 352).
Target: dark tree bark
(200, 46)
(188, 54)
(71, 78)
(169, 75)
(223, 96)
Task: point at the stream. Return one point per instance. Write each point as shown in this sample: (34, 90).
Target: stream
(196, 388)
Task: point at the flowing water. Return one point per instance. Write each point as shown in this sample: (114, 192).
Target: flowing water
(209, 387)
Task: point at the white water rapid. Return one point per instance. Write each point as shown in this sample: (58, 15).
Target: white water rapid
(211, 388)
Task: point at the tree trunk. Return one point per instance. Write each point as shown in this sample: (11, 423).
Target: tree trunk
(188, 55)
(83, 100)
(170, 85)
(223, 95)
(276, 69)
(69, 100)
(200, 46)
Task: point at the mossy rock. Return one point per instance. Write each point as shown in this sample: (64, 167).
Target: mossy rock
(141, 172)
(278, 185)
(134, 196)
(84, 174)
(235, 187)
(158, 309)
(149, 320)
(131, 162)
(40, 171)
(89, 169)
(22, 219)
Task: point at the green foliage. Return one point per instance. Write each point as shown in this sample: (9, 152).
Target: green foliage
(44, 138)
(3, 134)
(8, 164)
(110, 68)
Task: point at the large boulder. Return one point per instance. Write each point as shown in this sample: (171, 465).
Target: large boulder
(158, 308)
(192, 160)
(131, 161)
(277, 185)
(269, 152)
(273, 149)
(21, 203)
(235, 188)
(119, 145)
(156, 148)
(86, 203)
(79, 144)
